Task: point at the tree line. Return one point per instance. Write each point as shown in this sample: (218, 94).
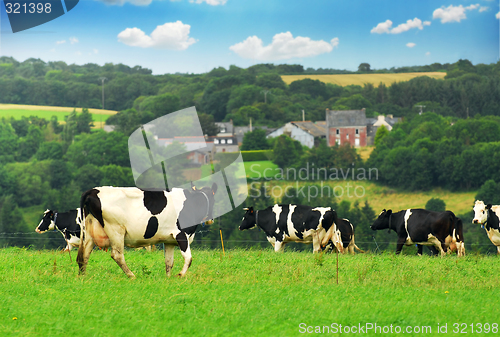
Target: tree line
(238, 94)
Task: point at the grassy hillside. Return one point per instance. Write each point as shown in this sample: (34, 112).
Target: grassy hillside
(18, 110)
(244, 293)
(361, 79)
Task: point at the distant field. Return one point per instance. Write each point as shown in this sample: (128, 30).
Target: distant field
(18, 110)
(361, 79)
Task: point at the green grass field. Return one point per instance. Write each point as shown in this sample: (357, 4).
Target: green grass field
(362, 79)
(17, 111)
(244, 293)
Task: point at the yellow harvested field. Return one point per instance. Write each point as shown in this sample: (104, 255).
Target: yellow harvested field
(53, 108)
(362, 79)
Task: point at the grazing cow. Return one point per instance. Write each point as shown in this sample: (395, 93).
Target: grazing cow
(118, 217)
(423, 227)
(290, 223)
(488, 216)
(342, 231)
(67, 223)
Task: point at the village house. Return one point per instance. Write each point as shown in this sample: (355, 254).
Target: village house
(346, 126)
(307, 132)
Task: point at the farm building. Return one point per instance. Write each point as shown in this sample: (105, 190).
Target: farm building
(346, 126)
(374, 123)
(239, 131)
(307, 133)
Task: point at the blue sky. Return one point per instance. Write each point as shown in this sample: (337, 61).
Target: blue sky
(196, 36)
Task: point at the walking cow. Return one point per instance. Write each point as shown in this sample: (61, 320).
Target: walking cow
(488, 216)
(67, 223)
(423, 227)
(290, 223)
(341, 233)
(118, 217)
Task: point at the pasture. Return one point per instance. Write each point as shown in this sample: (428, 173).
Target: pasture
(362, 79)
(242, 293)
(18, 110)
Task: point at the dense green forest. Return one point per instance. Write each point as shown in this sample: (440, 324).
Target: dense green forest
(454, 144)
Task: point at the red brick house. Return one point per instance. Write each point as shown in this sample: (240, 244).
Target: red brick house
(346, 126)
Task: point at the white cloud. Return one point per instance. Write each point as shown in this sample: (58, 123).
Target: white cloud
(386, 27)
(411, 44)
(410, 24)
(497, 15)
(171, 35)
(383, 27)
(284, 46)
(73, 40)
(452, 13)
(61, 42)
(483, 9)
(428, 53)
(210, 2)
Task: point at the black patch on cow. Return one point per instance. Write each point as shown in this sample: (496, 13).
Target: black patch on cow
(90, 203)
(151, 228)
(182, 241)
(155, 201)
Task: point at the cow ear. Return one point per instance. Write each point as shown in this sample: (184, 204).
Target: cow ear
(193, 187)
(214, 188)
(488, 206)
(389, 212)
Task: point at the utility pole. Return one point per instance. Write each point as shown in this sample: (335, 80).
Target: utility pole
(303, 116)
(421, 108)
(102, 79)
(265, 92)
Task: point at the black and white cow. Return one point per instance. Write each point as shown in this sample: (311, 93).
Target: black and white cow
(423, 227)
(341, 233)
(117, 217)
(67, 223)
(290, 223)
(488, 216)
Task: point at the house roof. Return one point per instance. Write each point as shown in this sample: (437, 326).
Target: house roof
(341, 118)
(315, 129)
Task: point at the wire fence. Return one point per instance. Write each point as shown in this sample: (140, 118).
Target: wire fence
(37, 236)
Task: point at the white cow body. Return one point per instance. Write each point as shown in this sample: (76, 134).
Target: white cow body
(481, 217)
(135, 218)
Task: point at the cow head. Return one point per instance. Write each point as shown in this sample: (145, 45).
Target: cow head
(382, 222)
(248, 220)
(480, 212)
(47, 223)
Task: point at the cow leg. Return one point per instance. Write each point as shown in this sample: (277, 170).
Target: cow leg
(316, 243)
(350, 248)
(84, 253)
(419, 249)
(400, 244)
(279, 246)
(461, 249)
(117, 240)
(498, 250)
(185, 252)
(169, 258)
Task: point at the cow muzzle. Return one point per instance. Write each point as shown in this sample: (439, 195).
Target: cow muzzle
(475, 221)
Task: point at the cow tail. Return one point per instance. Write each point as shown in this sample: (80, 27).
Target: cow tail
(454, 221)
